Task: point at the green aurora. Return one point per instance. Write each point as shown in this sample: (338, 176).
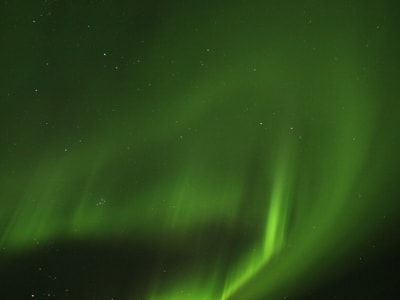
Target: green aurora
(260, 138)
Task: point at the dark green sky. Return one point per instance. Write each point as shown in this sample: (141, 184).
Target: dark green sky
(198, 149)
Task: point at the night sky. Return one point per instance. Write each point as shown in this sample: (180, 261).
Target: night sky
(205, 150)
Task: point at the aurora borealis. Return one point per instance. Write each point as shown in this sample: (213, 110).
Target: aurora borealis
(207, 150)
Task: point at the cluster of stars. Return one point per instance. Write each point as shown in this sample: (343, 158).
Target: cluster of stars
(101, 202)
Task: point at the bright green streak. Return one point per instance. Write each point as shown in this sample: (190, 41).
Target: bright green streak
(274, 232)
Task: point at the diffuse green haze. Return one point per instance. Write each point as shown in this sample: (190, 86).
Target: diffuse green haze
(255, 121)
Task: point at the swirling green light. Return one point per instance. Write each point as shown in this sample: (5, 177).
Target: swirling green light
(256, 137)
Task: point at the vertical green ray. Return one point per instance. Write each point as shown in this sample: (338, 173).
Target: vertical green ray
(275, 226)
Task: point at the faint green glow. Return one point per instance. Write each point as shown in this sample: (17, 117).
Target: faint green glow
(191, 287)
